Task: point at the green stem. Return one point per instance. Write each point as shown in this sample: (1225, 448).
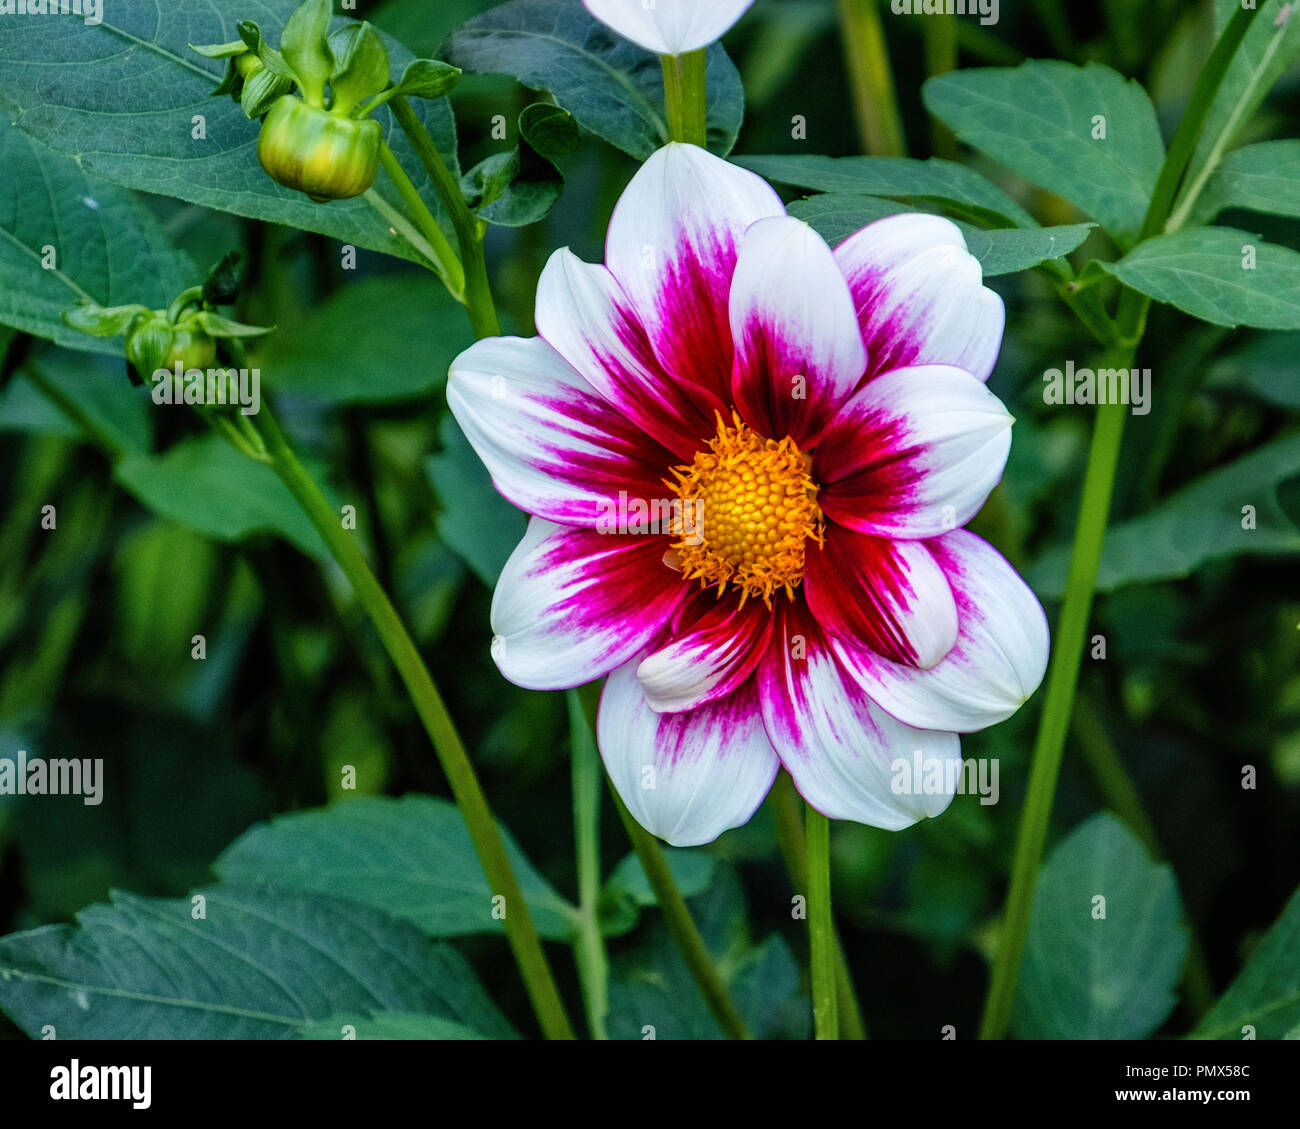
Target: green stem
(445, 262)
(469, 232)
(940, 58)
(465, 787)
(684, 95)
(821, 926)
(875, 101)
(593, 964)
(677, 916)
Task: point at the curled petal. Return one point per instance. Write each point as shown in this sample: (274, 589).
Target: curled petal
(669, 27)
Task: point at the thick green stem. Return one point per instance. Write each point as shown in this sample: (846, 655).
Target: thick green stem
(469, 233)
(593, 964)
(684, 95)
(875, 101)
(677, 916)
(465, 787)
(445, 262)
(821, 926)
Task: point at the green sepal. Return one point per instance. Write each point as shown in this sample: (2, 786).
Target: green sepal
(428, 78)
(215, 325)
(262, 91)
(221, 50)
(305, 46)
(101, 321)
(362, 69)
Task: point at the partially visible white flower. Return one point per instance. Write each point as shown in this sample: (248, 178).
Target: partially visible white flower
(669, 27)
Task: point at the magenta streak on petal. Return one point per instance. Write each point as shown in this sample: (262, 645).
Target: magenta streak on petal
(856, 587)
(720, 725)
(868, 466)
(763, 384)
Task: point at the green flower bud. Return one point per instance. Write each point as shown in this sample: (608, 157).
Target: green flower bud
(324, 155)
(153, 343)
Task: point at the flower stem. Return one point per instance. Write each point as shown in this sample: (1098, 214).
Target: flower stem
(684, 94)
(875, 101)
(465, 787)
(821, 924)
(445, 262)
(469, 232)
(681, 925)
(593, 964)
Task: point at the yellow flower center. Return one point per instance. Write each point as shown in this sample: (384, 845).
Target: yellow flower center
(747, 507)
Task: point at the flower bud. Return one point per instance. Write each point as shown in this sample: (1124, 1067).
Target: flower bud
(313, 151)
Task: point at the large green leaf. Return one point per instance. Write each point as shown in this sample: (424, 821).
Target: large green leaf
(412, 858)
(1265, 367)
(205, 484)
(1258, 178)
(376, 340)
(1000, 250)
(103, 243)
(627, 890)
(936, 181)
(1266, 996)
(614, 88)
(120, 97)
(1218, 274)
(387, 1025)
(1089, 976)
(262, 964)
(1200, 523)
(1039, 119)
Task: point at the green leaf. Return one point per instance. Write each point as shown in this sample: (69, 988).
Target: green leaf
(412, 858)
(1266, 995)
(614, 88)
(121, 97)
(102, 245)
(429, 78)
(262, 964)
(221, 50)
(1218, 274)
(1039, 119)
(1200, 523)
(1004, 250)
(386, 1025)
(306, 48)
(521, 187)
(363, 66)
(627, 889)
(216, 325)
(938, 182)
(1264, 367)
(206, 485)
(475, 522)
(1087, 976)
(1258, 178)
(375, 341)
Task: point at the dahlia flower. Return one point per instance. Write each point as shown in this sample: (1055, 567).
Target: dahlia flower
(669, 27)
(747, 459)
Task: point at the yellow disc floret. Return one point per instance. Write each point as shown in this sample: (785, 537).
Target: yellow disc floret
(748, 506)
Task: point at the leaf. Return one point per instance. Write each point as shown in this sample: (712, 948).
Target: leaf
(106, 246)
(1200, 523)
(1265, 367)
(476, 523)
(262, 964)
(1266, 994)
(1089, 977)
(1038, 119)
(627, 889)
(1204, 271)
(411, 858)
(521, 187)
(935, 181)
(208, 486)
(387, 1025)
(1000, 251)
(121, 97)
(375, 341)
(428, 78)
(1258, 178)
(614, 88)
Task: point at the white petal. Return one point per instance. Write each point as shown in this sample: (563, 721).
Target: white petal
(999, 659)
(685, 777)
(572, 604)
(672, 245)
(914, 453)
(848, 758)
(920, 295)
(554, 447)
(669, 27)
(799, 350)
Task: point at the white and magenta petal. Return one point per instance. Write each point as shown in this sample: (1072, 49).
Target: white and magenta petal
(553, 446)
(890, 597)
(920, 296)
(669, 27)
(685, 777)
(915, 453)
(997, 663)
(799, 351)
(573, 604)
(585, 316)
(672, 246)
(848, 757)
(712, 647)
